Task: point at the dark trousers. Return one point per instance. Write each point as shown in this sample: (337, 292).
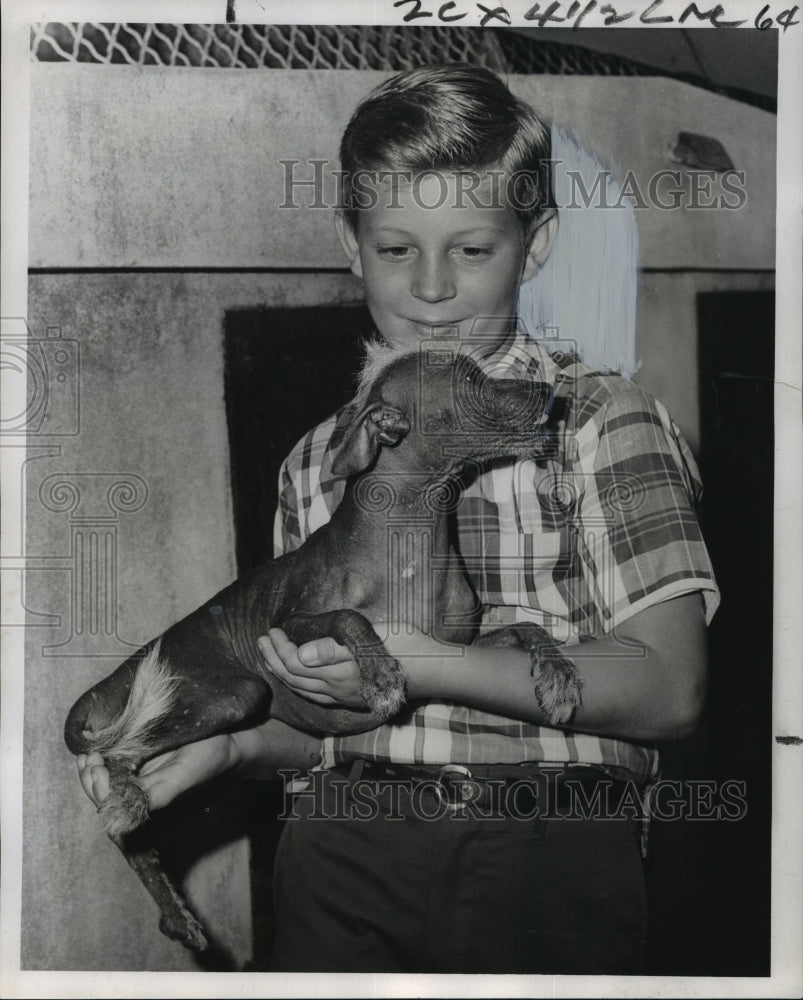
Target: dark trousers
(388, 876)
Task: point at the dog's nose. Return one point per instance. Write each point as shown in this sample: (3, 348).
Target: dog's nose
(528, 400)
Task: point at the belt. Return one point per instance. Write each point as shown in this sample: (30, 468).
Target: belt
(502, 787)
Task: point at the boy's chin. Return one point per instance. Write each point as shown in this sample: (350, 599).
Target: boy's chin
(402, 342)
(482, 342)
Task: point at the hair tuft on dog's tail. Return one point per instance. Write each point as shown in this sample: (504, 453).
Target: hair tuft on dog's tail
(130, 737)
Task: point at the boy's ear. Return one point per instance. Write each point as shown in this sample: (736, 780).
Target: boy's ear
(540, 244)
(348, 239)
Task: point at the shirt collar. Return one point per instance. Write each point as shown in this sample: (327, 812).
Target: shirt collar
(525, 356)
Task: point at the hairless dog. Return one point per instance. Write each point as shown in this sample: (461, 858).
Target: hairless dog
(424, 423)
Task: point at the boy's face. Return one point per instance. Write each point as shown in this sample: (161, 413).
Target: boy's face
(435, 263)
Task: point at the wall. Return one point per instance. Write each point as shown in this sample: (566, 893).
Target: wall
(667, 324)
(212, 140)
(151, 409)
(154, 199)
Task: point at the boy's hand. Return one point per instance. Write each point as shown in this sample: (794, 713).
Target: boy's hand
(93, 776)
(165, 777)
(325, 672)
(321, 671)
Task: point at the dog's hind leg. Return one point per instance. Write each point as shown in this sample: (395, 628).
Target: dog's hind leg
(176, 920)
(124, 812)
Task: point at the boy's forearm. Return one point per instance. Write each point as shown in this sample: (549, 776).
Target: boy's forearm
(632, 699)
(648, 687)
(264, 750)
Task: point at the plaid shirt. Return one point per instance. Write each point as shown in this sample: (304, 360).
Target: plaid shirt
(577, 543)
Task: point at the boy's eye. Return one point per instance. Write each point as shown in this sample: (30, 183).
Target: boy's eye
(475, 253)
(394, 253)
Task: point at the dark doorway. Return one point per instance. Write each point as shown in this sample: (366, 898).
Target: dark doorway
(710, 879)
(285, 371)
(737, 369)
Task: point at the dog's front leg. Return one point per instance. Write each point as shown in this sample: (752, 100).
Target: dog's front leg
(558, 686)
(382, 681)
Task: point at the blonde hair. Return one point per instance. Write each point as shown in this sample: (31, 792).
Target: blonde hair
(450, 117)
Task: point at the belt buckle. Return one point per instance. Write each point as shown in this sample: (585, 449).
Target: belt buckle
(441, 787)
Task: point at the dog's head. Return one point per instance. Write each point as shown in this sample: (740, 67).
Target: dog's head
(446, 409)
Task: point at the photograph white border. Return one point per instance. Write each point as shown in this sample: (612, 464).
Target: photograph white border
(787, 837)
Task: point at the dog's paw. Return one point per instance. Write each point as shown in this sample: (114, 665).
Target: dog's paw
(558, 688)
(181, 925)
(382, 684)
(125, 808)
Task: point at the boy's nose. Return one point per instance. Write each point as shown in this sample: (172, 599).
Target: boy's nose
(432, 281)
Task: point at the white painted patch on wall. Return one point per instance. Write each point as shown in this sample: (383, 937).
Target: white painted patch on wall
(584, 297)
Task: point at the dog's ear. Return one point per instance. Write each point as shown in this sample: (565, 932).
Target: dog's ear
(376, 425)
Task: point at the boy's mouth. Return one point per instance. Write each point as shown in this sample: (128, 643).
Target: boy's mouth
(437, 327)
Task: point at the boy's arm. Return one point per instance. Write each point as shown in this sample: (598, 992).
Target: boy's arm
(259, 752)
(647, 683)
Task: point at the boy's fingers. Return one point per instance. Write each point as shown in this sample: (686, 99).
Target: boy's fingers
(162, 787)
(155, 763)
(280, 652)
(322, 652)
(301, 680)
(86, 784)
(93, 776)
(98, 783)
(279, 639)
(267, 646)
(90, 759)
(320, 698)
(316, 653)
(160, 794)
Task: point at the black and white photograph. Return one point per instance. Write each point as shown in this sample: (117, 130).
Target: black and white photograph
(401, 473)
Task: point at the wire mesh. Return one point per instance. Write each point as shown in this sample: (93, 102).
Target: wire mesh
(304, 46)
(309, 46)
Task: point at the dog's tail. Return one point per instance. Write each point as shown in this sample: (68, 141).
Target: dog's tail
(130, 737)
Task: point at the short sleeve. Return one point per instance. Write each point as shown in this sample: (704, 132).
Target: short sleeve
(308, 493)
(642, 542)
(286, 531)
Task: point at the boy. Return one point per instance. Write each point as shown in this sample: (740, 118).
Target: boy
(446, 211)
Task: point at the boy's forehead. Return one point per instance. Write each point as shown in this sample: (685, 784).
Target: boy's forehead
(477, 181)
(473, 198)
